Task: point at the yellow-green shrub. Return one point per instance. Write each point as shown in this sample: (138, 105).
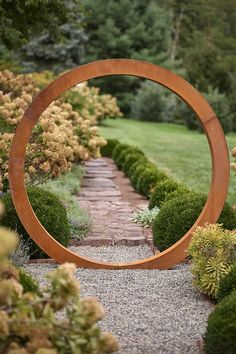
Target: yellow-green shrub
(213, 252)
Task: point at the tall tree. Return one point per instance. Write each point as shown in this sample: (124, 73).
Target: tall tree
(20, 19)
(125, 29)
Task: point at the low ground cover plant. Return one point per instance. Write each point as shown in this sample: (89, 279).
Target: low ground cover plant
(50, 212)
(145, 217)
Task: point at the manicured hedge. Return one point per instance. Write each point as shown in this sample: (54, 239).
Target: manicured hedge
(107, 150)
(179, 214)
(50, 212)
(148, 179)
(220, 336)
(163, 189)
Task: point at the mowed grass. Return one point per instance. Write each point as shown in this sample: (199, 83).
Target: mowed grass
(181, 153)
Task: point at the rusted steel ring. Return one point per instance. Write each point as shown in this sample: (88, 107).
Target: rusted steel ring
(212, 128)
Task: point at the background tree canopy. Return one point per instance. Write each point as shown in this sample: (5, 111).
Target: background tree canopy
(196, 39)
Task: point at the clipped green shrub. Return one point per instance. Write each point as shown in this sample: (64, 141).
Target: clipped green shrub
(162, 190)
(122, 156)
(220, 333)
(227, 284)
(148, 179)
(118, 149)
(137, 170)
(130, 160)
(107, 150)
(50, 212)
(179, 214)
(28, 283)
(212, 250)
(179, 192)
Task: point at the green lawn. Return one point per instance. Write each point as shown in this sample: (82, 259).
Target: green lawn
(183, 154)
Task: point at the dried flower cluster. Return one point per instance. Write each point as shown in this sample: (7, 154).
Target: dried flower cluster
(28, 324)
(91, 104)
(62, 135)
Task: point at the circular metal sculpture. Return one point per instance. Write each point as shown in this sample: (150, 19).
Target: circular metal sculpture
(211, 126)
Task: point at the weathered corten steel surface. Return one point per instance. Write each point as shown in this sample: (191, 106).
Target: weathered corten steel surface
(212, 128)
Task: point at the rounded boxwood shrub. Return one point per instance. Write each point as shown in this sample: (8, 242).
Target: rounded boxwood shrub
(118, 149)
(130, 160)
(121, 159)
(50, 212)
(148, 179)
(28, 283)
(220, 335)
(138, 170)
(179, 214)
(162, 190)
(227, 284)
(107, 150)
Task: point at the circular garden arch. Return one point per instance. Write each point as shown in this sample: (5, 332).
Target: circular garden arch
(207, 117)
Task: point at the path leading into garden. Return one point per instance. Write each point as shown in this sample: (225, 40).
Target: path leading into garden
(111, 201)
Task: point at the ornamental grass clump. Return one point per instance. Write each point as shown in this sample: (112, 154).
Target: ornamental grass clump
(28, 322)
(220, 333)
(213, 252)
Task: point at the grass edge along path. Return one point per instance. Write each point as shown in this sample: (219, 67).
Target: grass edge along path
(181, 153)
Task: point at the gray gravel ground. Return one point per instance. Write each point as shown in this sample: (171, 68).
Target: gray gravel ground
(150, 311)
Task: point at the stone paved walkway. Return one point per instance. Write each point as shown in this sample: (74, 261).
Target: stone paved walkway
(111, 200)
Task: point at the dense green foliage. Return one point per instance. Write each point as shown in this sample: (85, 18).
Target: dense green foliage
(125, 29)
(50, 212)
(148, 179)
(125, 153)
(179, 214)
(153, 103)
(164, 190)
(220, 104)
(130, 160)
(221, 328)
(107, 150)
(20, 19)
(227, 284)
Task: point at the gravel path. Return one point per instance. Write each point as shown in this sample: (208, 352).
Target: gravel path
(150, 311)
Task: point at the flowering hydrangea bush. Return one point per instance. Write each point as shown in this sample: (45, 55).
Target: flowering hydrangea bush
(28, 324)
(61, 137)
(91, 104)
